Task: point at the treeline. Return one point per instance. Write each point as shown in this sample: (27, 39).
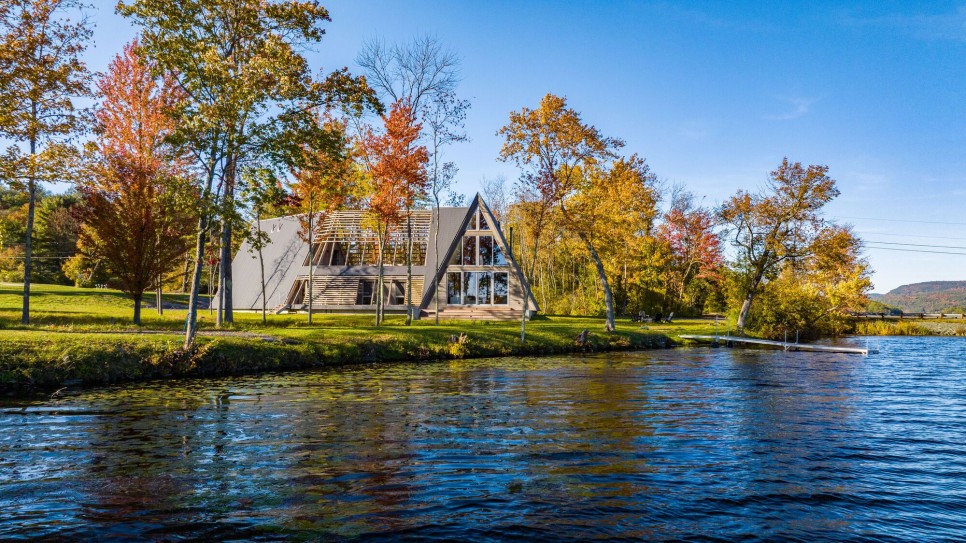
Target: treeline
(598, 234)
(213, 119)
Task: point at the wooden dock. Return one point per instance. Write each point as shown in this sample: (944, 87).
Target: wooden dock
(783, 344)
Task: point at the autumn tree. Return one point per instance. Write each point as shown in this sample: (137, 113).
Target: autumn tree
(695, 247)
(41, 75)
(136, 199)
(325, 179)
(553, 146)
(247, 84)
(397, 166)
(776, 225)
(812, 296)
(424, 74)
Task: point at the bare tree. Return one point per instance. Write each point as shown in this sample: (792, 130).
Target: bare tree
(497, 197)
(418, 71)
(426, 74)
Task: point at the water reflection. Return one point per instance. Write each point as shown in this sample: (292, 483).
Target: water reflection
(677, 444)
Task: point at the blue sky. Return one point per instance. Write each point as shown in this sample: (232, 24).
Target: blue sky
(714, 95)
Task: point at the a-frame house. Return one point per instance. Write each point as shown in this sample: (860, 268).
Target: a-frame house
(477, 276)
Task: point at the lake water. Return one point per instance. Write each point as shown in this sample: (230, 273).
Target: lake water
(685, 444)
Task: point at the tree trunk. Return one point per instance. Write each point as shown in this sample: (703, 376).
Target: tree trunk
(28, 247)
(409, 267)
(750, 295)
(311, 237)
(219, 317)
(226, 237)
(137, 309)
(226, 289)
(745, 309)
(28, 251)
(160, 300)
(191, 321)
(378, 293)
(184, 273)
(261, 261)
(436, 254)
(608, 297)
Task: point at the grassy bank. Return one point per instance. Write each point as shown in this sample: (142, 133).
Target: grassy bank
(84, 337)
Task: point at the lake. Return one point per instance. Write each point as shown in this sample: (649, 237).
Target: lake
(692, 444)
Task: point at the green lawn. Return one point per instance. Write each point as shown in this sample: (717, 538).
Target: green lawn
(85, 335)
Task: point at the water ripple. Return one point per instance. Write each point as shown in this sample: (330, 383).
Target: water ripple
(683, 445)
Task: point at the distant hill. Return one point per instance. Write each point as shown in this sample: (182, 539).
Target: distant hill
(930, 297)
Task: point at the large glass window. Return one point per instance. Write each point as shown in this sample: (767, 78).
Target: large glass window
(486, 250)
(484, 288)
(397, 293)
(499, 259)
(483, 225)
(454, 288)
(367, 287)
(469, 288)
(469, 250)
(501, 288)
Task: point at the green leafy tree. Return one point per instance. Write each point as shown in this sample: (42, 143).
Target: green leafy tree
(247, 85)
(41, 75)
(56, 235)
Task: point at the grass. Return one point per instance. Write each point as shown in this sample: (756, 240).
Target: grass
(85, 337)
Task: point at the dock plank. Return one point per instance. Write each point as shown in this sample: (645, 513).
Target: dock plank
(784, 345)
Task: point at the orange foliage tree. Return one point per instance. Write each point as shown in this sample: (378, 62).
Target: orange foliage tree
(325, 180)
(136, 199)
(397, 166)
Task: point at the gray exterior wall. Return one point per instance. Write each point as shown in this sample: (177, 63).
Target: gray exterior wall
(283, 257)
(285, 254)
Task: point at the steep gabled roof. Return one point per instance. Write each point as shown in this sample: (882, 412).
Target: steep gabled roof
(476, 203)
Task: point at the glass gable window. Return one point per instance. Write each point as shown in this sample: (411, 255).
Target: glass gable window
(486, 250)
(457, 256)
(469, 251)
(483, 225)
(454, 288)
(469, 288)
(501, 288)
(499, 259)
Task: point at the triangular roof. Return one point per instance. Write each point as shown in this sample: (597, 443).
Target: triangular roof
(477, 203)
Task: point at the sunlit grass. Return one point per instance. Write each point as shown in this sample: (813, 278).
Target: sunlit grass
(86, 335)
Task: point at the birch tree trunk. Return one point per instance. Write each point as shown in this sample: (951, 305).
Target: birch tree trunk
(28, 247)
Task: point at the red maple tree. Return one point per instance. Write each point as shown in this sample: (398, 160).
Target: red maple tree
(136, 211)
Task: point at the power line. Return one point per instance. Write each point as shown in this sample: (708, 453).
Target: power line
(901, 220)
(915, 251)
(917, 244)
(909, 235)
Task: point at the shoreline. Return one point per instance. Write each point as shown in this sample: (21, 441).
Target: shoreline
(35, 360)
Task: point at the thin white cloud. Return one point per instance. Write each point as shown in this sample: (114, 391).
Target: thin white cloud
(799, 107)
(695, 130)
